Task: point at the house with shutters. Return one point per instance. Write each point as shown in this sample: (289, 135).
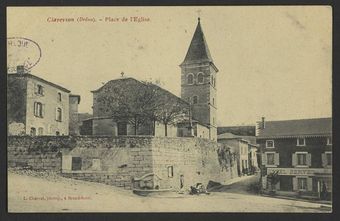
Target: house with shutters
(36, 106)
(300, 152)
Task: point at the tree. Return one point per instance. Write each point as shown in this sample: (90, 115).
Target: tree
(273, 179)
(170, 110)
(140, 103)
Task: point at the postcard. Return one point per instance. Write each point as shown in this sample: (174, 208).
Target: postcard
(169, 109)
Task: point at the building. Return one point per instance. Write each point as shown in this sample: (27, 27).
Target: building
(197, 103)
(245, 150)
(36, 106)
(122, 106)
(300, 151)
(237, 130)
(74, 122)
(198, 82)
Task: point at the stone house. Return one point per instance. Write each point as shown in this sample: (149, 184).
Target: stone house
(36, 106)
(245, 149)
(300, 151)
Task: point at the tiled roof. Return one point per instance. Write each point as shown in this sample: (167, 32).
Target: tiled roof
(238, 130)
(130, 79)
(39, 79)
(293, 128)
(198, 50)
(251, 139)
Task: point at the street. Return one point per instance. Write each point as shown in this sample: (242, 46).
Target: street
(32, 194)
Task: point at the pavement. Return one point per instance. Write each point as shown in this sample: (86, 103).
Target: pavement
(38, 194)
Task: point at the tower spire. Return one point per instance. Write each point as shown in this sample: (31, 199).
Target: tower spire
(198, 50)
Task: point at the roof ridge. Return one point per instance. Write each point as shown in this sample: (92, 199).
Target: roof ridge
(303, 119)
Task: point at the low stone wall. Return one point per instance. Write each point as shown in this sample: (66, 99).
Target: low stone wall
(193, 160)
(117, 160)
(37, 153)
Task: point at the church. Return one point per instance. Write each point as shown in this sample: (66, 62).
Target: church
(196, 108)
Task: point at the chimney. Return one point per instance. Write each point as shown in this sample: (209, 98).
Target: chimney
(20, 69)
(263, 123)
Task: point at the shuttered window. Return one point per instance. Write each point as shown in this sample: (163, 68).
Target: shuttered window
(270, 158)
(326, 159)
(302, 184)
(38, 109)
(301, 159)
(329, 159)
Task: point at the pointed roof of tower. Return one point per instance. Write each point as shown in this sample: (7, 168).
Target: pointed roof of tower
(198, 50)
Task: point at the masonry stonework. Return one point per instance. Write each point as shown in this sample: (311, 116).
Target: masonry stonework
(117, 160)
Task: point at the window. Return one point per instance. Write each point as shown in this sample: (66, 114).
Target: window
(195, 99)
(329, 141)
(76, 163)
(302, 184)
(270, 158)
(40, 131)
(40, 89)
(59, 96)
(301, 159)
(57, 133)
(301, 142)
(328, 159)
(59, 114)
(270, 143)
(212, 80)
(122, 128)
(170, 171)
(200, 78)
(213, 101)
(190, 78)
(33, 131)
(38, 109)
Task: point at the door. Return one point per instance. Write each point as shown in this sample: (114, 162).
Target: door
(122, 128)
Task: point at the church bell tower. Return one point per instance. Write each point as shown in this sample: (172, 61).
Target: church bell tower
(198, 82)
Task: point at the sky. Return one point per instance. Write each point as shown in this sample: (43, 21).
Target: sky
(273, 61)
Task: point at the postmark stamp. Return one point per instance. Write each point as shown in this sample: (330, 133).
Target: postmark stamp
(22, 52)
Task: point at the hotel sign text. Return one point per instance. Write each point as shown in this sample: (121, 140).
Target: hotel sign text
(299, 171)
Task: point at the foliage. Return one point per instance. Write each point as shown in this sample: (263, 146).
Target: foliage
(226, 158)
(141, 102)
(273, 179)
(16, 99)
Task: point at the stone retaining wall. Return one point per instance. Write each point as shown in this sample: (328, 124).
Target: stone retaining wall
(116, 160)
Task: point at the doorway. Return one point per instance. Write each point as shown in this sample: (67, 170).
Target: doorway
(122, 128)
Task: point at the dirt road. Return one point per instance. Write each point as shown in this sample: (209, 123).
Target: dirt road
(32, 194)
